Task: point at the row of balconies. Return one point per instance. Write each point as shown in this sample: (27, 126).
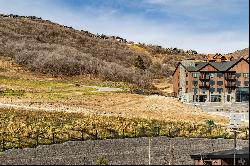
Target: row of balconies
(227, 77)
(227, 85)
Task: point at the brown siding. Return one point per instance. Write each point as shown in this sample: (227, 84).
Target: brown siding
(208, 68)
(189, 79)
(241, 67)
(214, 162)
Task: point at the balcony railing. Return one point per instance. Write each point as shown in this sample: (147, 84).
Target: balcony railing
(231, 85)
(230, 77)
(206, 77)
(204, 86)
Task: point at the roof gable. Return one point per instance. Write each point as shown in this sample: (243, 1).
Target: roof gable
(208, 64)
(238, 61)
(176, 68)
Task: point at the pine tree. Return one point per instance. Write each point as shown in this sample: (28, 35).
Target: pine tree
(139, 63)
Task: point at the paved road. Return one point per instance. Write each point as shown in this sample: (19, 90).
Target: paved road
(225, 109)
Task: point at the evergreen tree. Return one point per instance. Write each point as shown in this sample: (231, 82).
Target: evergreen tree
(139, 63)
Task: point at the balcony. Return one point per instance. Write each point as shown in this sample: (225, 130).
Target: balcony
(230, 77)
(204, 86)
(206, 77)
(231, 85)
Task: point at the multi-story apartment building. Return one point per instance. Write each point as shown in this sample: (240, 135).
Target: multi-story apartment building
(224, 80)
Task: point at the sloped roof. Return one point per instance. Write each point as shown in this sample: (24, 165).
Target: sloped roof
(240, 153)
(196, 67)
(221, 66)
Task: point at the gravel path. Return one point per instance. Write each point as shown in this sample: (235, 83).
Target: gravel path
(104, 89)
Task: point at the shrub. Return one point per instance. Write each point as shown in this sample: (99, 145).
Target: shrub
(101, 161)
(11, 92)
(139, 63)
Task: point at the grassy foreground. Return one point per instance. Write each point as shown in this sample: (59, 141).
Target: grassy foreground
(19, 128)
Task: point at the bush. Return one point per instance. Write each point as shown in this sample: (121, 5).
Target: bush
(139, 63)
(101, 161)
(11, 92)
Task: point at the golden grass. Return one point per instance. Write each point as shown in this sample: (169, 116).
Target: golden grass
(59, 93)
(19, 128)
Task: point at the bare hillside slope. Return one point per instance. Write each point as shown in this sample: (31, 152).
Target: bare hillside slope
(54, 49)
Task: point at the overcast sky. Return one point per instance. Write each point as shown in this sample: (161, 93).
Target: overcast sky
(207, 26)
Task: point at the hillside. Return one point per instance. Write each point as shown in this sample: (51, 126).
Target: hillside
(240, 53)
(20, 88)
(58, 50)
(84, 80)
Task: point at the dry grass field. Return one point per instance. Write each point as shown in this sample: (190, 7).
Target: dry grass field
(33, 104)
(39, 91)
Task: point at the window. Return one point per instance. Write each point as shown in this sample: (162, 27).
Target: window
(204, 90)
(219, 83)
(195, 75)
(215, 98)
(186, 89)
(212, 90)
(211, 82)
(203, 83)
(219, 90)
(186, 74)
(238, 75)
(246, 83)
(238, 83)
(229, 83)
(195, 90)
(195, 83)
(186, 82)
(246, 75)
(229, 90)
(220, 75)
(195, 98)
(211, 75)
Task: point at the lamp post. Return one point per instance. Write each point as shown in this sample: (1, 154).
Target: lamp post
(234, 146)
(149, 149)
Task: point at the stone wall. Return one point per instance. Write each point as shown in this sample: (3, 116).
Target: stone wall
(130, 151)
(185, 96)
(182, 84)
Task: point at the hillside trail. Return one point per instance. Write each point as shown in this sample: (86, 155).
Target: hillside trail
(104, 89)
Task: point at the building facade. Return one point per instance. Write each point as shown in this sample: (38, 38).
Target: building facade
(212, 81)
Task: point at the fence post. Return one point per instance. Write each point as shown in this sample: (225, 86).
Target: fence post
(123, 133)
(82, 134)
(135, 132)
(37, 139)
(158, 130)
(53, 137)
(96, 135)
